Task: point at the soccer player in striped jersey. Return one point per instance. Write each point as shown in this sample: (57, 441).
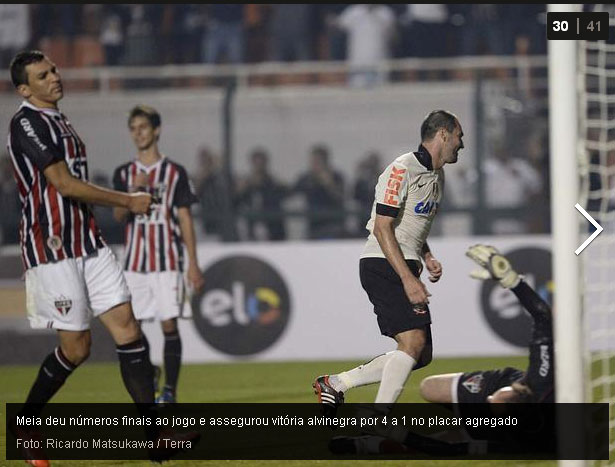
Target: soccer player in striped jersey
(154, 262)
(71, 275)
(407, 197)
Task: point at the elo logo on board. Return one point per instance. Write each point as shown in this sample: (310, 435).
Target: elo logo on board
(501, 308)
(244, 307)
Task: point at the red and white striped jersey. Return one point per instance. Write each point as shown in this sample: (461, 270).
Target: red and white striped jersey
(52, 227)
(154, 241)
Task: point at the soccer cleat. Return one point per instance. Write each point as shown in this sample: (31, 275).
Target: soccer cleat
(167, 396)
(327, 396)
(32, 456)
(168, 444)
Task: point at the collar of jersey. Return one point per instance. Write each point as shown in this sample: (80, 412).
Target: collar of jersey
(40, 109)
(423, 156)
(149, 168)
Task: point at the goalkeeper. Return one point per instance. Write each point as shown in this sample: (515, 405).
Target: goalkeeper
(507, 385)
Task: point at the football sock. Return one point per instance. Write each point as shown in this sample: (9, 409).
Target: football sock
(394, 376)
(367, 373)
(137, 371)
(537, 308)
(51, 376)
(172, 359)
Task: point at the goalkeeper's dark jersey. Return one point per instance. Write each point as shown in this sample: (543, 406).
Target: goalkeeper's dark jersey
(52, 227)
(539, 376)
(474, 387)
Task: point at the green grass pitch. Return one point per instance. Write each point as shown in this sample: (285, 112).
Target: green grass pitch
(238, 382)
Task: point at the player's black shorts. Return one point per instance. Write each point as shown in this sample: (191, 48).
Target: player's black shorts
(386, 292)
(475, 386)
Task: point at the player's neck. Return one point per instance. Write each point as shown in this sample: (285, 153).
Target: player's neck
(436, 162)
(434, 150)
(42, 104)
(149, 156)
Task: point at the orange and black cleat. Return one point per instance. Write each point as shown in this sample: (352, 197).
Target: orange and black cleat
(327, 396)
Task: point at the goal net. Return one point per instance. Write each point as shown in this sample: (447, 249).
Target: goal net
(596, 151)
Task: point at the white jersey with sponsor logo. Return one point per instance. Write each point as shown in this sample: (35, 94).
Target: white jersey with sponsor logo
(409, 190)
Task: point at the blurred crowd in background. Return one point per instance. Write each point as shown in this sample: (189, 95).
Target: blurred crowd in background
(511, 186)
(324, 202)
(79, 35)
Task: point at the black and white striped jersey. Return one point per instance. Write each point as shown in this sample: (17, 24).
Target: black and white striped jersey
(154, 242)
(52, 227)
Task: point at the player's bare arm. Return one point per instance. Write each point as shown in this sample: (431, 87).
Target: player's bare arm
(119, 213)
(60, 177)
(384, 230)
(186, 226)
(431, 263)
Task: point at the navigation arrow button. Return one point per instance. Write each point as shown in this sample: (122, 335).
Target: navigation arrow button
(598, 227)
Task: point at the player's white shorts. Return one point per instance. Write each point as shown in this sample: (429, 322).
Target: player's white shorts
(156, 295)
(68, 293)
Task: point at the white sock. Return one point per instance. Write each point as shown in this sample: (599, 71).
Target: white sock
(367, 373)
(394, 376)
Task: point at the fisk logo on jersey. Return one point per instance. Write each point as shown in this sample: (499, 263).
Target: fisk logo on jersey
(426, 207)
(391, 195)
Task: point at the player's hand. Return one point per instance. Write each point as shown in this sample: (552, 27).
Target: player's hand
(195, 278)
(493, 265)
(434, 267)
(140, 202)
(141, 180)
(416, 291)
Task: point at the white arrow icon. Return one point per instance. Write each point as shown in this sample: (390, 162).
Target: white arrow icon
(598, 227)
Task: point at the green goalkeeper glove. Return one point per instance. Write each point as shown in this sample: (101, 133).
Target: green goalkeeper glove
(493, 266)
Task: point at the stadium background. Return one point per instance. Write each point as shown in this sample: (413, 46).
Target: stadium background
(490, 71)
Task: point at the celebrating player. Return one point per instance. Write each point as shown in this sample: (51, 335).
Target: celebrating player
(154, 262)
(407, 197)
(71, 275)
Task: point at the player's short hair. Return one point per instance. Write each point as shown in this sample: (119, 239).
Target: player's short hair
(146, 111)
(434, 121)
(20, 62)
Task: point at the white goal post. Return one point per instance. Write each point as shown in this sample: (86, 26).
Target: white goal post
(563, 140)
(582, 170)
(564, 171)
